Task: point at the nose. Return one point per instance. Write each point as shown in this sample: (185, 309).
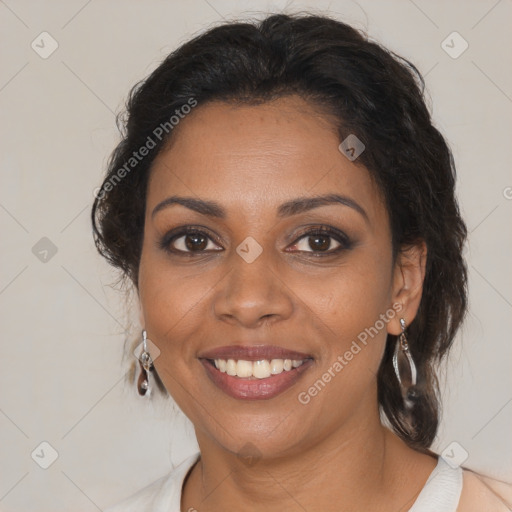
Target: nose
(252, 294)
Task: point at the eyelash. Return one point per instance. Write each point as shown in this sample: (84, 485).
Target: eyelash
(339, 236)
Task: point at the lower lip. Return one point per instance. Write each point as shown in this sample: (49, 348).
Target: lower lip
(255, 389)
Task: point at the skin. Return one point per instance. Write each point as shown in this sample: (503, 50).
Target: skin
(332, 453)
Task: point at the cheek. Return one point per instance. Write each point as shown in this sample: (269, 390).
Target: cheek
(350, 298)
(353, 338)
(172, 302)
(157, 294)
(352, 307)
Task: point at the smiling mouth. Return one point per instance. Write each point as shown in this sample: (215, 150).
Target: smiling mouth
(260, 369)
(254, 380)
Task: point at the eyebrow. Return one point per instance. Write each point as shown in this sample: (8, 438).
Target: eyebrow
(287, 209)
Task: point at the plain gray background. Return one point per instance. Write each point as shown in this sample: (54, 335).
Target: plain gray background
(64, 372)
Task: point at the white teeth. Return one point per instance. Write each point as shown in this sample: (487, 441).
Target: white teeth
(243, 368)
(260, 369)
(230, 367)
(276, 366)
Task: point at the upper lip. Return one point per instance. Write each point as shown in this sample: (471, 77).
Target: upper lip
(252, 353)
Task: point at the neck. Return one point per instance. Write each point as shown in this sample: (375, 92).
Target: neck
(360, 466)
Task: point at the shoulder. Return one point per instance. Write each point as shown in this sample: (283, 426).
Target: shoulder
(452, 488)
(481, 494)
(162, 495)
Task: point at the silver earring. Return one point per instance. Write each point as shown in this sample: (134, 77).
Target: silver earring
(146, 366)
(405, 369)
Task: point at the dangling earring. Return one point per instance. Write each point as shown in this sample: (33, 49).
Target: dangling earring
(146, 365)
(406, 376)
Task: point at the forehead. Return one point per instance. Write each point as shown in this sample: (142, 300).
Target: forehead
(254, 157)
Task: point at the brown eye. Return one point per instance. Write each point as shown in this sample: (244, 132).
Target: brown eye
(195, 242)
(322, 241)
(319, 242)
(188, 241)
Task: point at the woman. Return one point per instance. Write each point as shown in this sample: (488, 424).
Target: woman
(285, 210)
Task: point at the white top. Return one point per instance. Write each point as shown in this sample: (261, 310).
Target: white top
(441, 492)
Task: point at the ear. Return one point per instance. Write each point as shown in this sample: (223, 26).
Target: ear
(408, 277)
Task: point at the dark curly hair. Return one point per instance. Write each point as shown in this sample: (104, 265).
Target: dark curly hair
(368, 91)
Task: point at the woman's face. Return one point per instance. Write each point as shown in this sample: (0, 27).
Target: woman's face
(253, 276)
